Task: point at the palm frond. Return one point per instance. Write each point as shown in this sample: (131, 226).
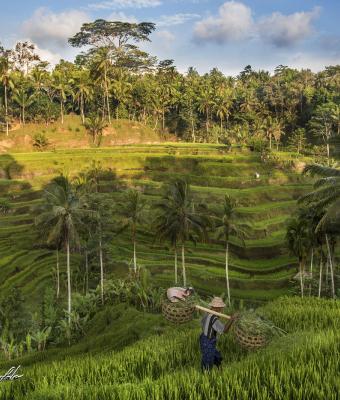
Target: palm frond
(330, 180)
(321, 170)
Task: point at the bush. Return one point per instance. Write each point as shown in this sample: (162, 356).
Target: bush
(40, 142)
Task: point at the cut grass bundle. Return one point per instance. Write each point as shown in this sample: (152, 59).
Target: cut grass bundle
(253, 331)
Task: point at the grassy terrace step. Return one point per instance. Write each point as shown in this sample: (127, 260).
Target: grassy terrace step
(260, 270)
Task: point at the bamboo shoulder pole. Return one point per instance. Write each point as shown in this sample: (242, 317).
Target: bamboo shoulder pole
(212, 312)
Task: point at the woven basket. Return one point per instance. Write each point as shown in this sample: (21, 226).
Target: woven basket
(178, 315)
(250, 342)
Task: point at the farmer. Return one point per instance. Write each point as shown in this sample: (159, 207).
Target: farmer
(175, 294)
(211, 325)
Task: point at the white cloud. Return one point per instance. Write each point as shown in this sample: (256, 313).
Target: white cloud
(176, 19)
(121, 16)
(47, 55)
(166, 36)
(234, 22)
(48, 28)
(285, 30)
(119, 4)
(313, 61)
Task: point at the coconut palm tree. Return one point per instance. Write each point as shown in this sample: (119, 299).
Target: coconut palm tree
(95, 125)
(178, 221)
(326, 196)
(297, 238)
(311, 216)
(326, 193)
(102, 64)
(163, 233)
(59, 218)
(84, 91)
(205, 102)
(6, 80)
(62, 88)
(132, 213)
(228, 224)
(122, 91)
(24, 100)
(99, 208)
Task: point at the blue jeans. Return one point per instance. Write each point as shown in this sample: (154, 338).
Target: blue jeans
(210, 355)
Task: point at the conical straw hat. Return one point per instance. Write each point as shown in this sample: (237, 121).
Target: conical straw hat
(217, 302)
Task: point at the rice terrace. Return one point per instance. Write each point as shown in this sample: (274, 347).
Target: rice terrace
(169, 200)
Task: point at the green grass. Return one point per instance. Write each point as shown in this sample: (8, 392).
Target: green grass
(128, 355)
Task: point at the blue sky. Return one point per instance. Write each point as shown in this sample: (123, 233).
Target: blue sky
(202, 33)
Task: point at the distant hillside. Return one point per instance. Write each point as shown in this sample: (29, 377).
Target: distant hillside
(72, 134)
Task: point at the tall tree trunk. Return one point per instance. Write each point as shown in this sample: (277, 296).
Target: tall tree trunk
(58, 277)
(301, 276)
(176, 269)
(227, 270)
(328, 153)
(330, 266)
(327, 270)
(207, 121)
(193, 135)
(86, 272)
(320, 275)
(183, 267)
(134, 256)
(6, 110)
(107, 96)
(82, 107)
(311, 271)
(163, 120)
(62, 111)
(68, 280)
(23, 114)
(101, 268)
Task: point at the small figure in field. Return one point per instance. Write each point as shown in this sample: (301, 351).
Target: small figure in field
(175, 294)
(211, 325)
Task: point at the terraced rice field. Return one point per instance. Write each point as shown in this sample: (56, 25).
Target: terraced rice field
(260, 270)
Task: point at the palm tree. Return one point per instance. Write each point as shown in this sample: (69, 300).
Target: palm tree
(162, 233)
(24, 100)
(59, 219)
(273, 129)
(131, 210)
(122, 92)
(297, 238)
(39, 78)
(5, 207)
(99, 207)
(7, 82)
(324, 122)
(95, 125)
(325, 196)
(326, 193)
(178, 221)
(311, 216)
(226, 226)
(84, 91)
(62, 88)
(205, 101)
(101, 67)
